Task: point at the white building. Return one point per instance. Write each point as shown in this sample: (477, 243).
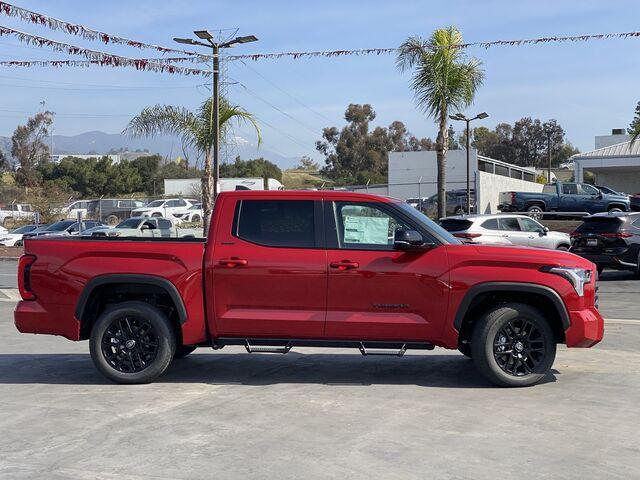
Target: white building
(615, 162)
(56, 158)
(415, 175)
(192, 186)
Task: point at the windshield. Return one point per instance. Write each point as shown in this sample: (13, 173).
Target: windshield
(24, 229)
(197, 206)
(129, 223)
(430, 224)
(60, 226)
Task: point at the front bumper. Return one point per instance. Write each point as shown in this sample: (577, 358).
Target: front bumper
(586, 330)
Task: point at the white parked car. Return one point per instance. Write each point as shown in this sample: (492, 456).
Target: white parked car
(505, 229)
(14, 237)
(192, 215)
(164, 208)
(136, 227)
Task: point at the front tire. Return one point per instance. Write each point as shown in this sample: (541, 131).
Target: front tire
(132, 342)
(513, 345)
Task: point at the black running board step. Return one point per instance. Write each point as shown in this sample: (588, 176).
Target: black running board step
(263, 349)
(256, 342)
(390, 353)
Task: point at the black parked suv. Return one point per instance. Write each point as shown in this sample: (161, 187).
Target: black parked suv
(610, 240)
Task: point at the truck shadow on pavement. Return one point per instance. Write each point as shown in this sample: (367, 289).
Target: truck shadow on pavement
(441, 371)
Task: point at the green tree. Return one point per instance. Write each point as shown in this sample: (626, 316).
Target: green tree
(307, 163)
(196, 131)
(634, 126)
(358, 154)
(4, 162)
(444, 80)
(29, 148)
(258, 167)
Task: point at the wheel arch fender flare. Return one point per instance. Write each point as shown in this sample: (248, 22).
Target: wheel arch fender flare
(507, 287)
(112, 279)
(536, 203)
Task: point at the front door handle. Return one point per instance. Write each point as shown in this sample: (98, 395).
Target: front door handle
(344, 265)
(233, 262)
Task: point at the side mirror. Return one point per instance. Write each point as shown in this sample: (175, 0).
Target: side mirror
(410, 241)
(544, 231)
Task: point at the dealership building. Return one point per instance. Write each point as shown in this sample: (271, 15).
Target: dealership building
(615, 162)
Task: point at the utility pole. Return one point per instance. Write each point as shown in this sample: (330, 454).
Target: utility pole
(549, 156)
(460, 117)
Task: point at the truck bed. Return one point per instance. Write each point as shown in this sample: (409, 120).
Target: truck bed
(64, 266)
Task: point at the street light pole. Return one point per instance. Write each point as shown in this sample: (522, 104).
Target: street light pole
(215, 113)
(216, 119)
(460, 117)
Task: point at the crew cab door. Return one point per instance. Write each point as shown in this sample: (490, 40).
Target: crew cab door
(374, 291)
(569, 200)
(591, 198)
(268, 270)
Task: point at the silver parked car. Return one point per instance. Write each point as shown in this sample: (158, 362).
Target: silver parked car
(505, 229)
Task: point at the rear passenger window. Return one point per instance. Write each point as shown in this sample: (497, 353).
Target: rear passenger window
(569, 189)
(279, 223)
(163, 223)
(510, 224)
(491, 224)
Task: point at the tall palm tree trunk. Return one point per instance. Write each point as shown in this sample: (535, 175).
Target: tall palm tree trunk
(442, 144)
(207, 192)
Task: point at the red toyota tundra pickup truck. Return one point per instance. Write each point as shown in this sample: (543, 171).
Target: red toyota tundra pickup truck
(295, 269)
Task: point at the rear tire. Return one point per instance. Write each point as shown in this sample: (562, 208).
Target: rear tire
(196, 219)
(513, 345)
(536, 212)
(564, 248)
(113, 220)
(600, 269)
(132, 342)
(182, 351)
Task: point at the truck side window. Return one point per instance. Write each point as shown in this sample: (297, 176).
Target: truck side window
(588, 189)
(510, 224)
(365, 226)
(569, 189)
(276, 223)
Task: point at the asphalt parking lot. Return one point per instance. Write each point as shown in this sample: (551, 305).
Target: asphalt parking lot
(323, 414)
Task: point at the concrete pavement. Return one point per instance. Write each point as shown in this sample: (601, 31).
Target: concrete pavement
(321, 413)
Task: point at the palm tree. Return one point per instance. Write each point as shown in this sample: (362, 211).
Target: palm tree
(635, 133)
(196, 131)
(444, 79)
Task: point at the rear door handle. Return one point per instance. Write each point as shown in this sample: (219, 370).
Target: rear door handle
(344, 265)
(233, 262)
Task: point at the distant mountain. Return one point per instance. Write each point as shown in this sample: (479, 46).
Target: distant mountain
(100, 143)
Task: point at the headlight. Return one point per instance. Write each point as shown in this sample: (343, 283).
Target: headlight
(578, 277)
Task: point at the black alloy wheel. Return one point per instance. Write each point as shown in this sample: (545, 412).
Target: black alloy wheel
(130, 344)
(519, 347)
(513, 345)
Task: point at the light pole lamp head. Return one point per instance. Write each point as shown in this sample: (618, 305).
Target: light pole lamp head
(457, 116)
(203, 34)
(482, 115)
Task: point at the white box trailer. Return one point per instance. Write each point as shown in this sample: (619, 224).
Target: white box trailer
(191, 186)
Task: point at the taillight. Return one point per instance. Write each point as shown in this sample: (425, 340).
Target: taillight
(574, 234)
(24, 277)
(617, 235)
(513, 197)
(468, 236)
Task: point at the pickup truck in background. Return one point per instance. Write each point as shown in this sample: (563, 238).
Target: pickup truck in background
(15, 211)
(563, 197)
(281, 270)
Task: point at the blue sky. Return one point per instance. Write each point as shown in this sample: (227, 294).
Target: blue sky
(588, 87)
